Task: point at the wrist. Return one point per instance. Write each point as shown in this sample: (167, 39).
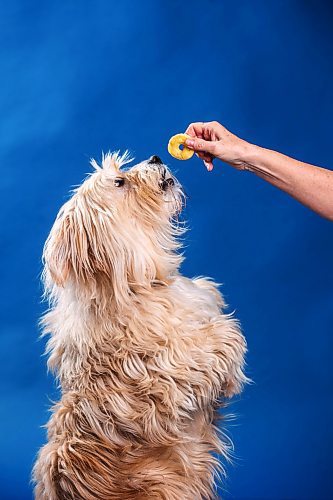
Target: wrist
(250, 156)
(266, 164)
(244, 155)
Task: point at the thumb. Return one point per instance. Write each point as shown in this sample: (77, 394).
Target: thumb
(200, 145)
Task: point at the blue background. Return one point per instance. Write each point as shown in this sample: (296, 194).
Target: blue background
(81, 77)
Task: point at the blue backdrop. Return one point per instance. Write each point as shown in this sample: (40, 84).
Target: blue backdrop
(81, 77)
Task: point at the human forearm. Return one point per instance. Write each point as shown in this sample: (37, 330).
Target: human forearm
(310, 185)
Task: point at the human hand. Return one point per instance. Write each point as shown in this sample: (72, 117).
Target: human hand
(212, 140)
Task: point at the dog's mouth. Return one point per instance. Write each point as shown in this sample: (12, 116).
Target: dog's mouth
(166, 182)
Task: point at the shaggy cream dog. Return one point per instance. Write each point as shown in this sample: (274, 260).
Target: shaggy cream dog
(143, 355)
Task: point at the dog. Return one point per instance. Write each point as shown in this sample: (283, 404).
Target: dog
(144, 356)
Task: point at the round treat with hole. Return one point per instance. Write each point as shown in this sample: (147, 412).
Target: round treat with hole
(176, 143)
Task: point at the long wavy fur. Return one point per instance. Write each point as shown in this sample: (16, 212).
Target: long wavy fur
(143, 355)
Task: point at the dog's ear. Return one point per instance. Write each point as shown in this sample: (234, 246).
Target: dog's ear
(80, 246)
(67, 251)
(57, 250)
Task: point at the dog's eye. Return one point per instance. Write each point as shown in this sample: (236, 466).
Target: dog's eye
(120, 181)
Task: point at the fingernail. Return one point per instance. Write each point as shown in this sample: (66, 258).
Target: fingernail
(189, 143)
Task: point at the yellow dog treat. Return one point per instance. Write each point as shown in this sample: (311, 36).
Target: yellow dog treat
(174, 149)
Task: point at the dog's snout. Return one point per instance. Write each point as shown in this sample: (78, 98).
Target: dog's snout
(155, 159)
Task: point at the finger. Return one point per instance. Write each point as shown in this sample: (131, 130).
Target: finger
(195, 129)
(209, 165)
(201, 145)
(204, 156)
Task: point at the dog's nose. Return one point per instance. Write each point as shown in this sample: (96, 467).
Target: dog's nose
(155, 159)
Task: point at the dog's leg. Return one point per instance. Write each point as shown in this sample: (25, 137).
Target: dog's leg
(223, 341)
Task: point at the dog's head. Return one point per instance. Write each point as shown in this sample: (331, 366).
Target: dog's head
(118, 227)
